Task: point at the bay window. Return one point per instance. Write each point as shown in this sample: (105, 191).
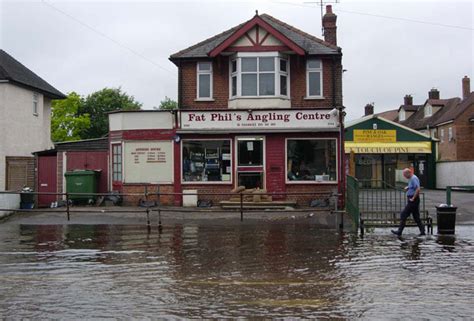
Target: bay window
(204, 80)
(265, 75)
(311, 160)
(314, 76)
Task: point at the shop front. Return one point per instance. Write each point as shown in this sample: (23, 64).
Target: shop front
(377, 151)
(211, 152)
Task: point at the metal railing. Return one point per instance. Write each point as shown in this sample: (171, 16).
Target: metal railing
(352, 199)
(242, 206)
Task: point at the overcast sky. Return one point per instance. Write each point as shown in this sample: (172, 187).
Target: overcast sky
(84, 46)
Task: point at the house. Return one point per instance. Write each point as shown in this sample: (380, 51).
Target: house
(448, 120)
(25, 109)
(260, 106)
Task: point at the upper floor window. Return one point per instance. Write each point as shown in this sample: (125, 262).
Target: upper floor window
(259, 76)
(35, 104)
(441, 136)
(450, 134)
(428, 110)
(314, 77)
(401, 115)
(204, 80)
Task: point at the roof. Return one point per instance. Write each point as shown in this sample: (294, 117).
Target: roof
(310, 44)
(410, 107)
(418, 119)
(13, 71)
(365, 118)
(388, 114)
(85, 144)
(453, 112)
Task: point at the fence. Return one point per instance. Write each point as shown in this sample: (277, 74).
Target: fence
(330, 200)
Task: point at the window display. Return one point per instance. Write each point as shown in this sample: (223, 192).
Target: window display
(206, 161)
(311, 160)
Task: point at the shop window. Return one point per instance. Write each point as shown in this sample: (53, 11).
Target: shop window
(206, 161)
(311, 160)
(204, 80)
(250, 152)
(314, 77)
(259, 76)
(117, 162)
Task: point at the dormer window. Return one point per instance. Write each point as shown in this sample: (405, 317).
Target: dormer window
(204, 80)
(402, 115)
(428, 111)
(258, 75)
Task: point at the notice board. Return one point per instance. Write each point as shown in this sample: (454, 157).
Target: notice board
(148, 162)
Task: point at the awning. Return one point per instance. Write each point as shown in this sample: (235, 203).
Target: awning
(388, 148)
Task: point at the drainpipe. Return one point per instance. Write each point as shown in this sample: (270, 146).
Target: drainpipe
(341, 187)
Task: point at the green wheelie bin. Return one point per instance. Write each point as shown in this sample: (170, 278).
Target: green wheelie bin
(80, 183)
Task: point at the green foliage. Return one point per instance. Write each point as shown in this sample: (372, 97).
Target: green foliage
(168, 104)
(98, 104)
(66, 125)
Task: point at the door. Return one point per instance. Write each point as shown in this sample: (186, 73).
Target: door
(420, 167)
(90, 160)
(250, 162)
(389, 168)
(47, 180)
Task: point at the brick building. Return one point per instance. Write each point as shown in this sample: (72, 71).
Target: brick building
(260, 106)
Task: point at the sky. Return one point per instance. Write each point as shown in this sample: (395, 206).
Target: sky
(390, 48)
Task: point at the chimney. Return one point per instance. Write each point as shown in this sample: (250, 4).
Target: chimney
(466, 87)
(433, 94)
(369, 109)
(329, 26)
(408, 100)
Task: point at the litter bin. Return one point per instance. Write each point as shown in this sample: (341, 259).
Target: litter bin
(27, 198)
(81, 182)
(446, 219)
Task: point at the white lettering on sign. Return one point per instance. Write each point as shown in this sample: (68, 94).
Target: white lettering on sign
(259, 119)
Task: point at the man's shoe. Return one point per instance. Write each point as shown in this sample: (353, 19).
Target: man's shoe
(396, 233)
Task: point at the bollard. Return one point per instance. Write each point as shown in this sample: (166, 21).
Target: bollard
(448, 195)
(148, 218)
(241, 207)
(160, 227)
(67, 207)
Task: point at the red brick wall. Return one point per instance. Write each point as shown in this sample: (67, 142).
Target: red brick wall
(304, 200)
(464, 138)
(133, 200)
(297, 84)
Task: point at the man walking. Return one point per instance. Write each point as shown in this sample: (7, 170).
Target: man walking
(413, 203)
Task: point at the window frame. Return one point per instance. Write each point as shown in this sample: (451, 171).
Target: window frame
(250, 138)
(428, 110)
(35, 104)
(441, 135)
(335, 182)
(113, 162)
(231, 150)
(450, 134)
(308, 71)
(402, 115)
(211, 80)
(276, 72)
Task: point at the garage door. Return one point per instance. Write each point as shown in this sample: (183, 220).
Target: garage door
(20, 172)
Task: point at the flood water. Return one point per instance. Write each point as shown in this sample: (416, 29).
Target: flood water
(230, 269)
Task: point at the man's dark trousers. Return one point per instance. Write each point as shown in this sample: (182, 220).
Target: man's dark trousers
(414, 209)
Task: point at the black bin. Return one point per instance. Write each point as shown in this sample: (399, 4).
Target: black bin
(27, 200)
(446, 219)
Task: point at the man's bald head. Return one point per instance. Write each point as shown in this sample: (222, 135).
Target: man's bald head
(407, 173)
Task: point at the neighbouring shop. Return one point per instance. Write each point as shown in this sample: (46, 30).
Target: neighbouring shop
(377, 150)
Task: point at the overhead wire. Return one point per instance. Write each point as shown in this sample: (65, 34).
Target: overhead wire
(118, 43)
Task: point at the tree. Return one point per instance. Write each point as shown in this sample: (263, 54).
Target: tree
(66, 125)
(168, 104)
(99, 103)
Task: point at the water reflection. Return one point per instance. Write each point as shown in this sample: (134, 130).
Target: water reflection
(270, 269)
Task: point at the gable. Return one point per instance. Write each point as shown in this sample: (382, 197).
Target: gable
(256, 37)
(402, 133)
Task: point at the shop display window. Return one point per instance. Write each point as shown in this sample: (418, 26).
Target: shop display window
(206, 161)
(311, 160)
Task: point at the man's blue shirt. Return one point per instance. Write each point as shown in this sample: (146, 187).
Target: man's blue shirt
(413, 185)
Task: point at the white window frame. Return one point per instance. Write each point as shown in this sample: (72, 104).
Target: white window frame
(231, 149)
(450, 134)
(258, 168)
(113, 145)
(211, 79)
(311, 182)
(320, 70)
(428, 111)
(441, 136)
(35, 104)
(238, 73)
(402, 115)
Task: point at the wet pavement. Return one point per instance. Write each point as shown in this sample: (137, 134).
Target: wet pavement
(210, 269)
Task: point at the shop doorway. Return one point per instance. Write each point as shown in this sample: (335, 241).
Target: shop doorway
(389, 169)
(250, 162)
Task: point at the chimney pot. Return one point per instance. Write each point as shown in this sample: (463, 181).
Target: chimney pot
(408, 100)
(466, 87)
(369, 109)
(433, 94)
(329, 8)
